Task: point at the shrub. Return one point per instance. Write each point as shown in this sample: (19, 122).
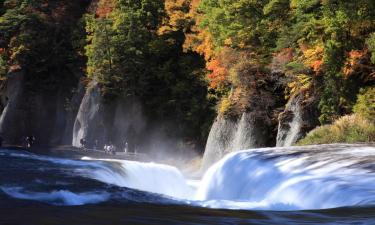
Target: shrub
(347, 129)
(224, 106)
(365, 105)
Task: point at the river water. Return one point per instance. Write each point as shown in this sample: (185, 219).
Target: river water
(325, 184)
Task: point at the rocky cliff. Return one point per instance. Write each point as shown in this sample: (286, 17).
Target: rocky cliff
(234, 134)
(32, 111)
(298, 118)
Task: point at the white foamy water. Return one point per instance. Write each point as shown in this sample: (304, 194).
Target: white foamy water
(312, 177)
(262, 180)
(60, 197)
(292, 178)
(151, 177)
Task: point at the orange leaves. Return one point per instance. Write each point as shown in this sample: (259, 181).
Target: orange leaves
(200, 42)
(177, 15)
(316, 65)
(313, 57)
(353, 60)
(218, 75)
(183, 15)
(220, 67)
(104, 8)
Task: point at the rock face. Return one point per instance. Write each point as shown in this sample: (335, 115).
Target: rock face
(298, 118)
(89, 118)
(72, 111)
(10, 125)
(290, 124)
(117, 122)
(28, 111)
(229, 135)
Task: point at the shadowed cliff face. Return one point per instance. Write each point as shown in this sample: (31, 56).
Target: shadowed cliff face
(33, 112)
(298, 118)
(230, 135)
(10, 125)
(116, 121)
(122, 120)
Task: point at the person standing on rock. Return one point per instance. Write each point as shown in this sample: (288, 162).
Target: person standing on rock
(96, 144)
(126, 147)
(82, 141)
(30, 140)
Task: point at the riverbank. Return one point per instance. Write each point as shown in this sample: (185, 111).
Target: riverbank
(189, 167)
(72, 152)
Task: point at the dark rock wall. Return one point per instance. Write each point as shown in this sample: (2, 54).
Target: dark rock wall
(33, 112)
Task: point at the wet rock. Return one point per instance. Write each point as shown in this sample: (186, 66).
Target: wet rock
(234, 134)
(298, 118)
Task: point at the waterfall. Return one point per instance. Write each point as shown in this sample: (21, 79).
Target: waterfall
(314, 177)
(290, 124)
(89, 117)
(294, 178)
(151, 177)
(230, 135)
(287, 178)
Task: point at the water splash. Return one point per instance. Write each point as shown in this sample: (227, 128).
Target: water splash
(60, 197)
(291, 178)
(150, 177)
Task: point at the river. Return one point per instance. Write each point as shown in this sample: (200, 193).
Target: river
(323, 184)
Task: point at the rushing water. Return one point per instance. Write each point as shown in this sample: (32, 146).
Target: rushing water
(327, 184)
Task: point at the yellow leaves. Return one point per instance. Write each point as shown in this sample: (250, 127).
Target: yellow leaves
(302, 82)
(224, 105)
(313, 57)
(228, 42)
(178, 15)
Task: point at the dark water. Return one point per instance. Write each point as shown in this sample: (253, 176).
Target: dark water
(43, 190)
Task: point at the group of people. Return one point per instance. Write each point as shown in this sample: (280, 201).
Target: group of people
(108, 148)
(30, 141)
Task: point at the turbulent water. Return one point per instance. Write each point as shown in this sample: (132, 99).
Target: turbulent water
(327, 184)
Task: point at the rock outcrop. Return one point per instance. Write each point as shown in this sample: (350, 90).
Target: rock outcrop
(234, 134)
(114, 122)
(32, 111)
(11, 127)
(299, 117)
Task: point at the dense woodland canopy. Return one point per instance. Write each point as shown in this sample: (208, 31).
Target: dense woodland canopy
(188, 58)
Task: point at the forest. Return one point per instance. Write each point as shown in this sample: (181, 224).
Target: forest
(192, 60)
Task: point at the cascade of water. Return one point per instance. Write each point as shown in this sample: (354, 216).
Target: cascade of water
(230, 135)
(270, 178)
(292, 178)
(151, 177)
(290, 134)
(289, 178)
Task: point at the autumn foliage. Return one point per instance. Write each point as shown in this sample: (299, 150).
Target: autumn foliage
(104, 7)
(218, 75)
